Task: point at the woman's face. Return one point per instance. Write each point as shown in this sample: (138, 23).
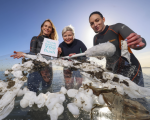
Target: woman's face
(46, 75)
(68, 37)
(97, 23)
(47, 28)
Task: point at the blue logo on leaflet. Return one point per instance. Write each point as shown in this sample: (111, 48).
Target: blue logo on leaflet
(50, 47)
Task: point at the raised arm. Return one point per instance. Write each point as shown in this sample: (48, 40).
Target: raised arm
(134, 40)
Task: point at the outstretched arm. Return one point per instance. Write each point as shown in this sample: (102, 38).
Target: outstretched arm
(18, 55)
(134, 40)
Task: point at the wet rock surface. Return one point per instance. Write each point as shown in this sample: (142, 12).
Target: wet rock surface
(11, 84)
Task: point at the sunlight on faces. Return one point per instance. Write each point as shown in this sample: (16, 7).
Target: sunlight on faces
(47, 28)
(68, 37)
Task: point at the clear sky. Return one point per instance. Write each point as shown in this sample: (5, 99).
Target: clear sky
(20, 20)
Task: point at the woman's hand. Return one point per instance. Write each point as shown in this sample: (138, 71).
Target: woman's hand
(72, 54)
(134, 41)
(18, 55)
(59, 51)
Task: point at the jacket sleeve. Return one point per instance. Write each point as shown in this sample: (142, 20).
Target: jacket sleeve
(33, 45)
(125, 31)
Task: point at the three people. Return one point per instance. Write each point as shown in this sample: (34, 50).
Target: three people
(114, 34)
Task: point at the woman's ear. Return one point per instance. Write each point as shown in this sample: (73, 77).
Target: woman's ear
(103, 19)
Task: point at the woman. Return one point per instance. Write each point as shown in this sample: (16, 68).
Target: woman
(70, 45)
(114, 34)
(43, 76)
(48, 30)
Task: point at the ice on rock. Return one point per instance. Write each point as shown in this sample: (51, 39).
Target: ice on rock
(8, 97)
(20, 93)
(95, 99)
(6, 72)
(17, 74)
(88, 103)
(24, 103)
(53, 99)
(108, 75)
(121, 77)
(63, 90)
(16, 67)
(133, 94)
(106, 85)
(40, 100)
(73, 108)
(61, 97)
(89, 92)
(78, 101)
(85, 74)
(53, 113)
(25, 89)
(104, 49)
(60, 108)
(144, 91)
(31, 56)
(28, 99)
(49, 97)
(72, 92)
(119, 89)
(101, 100)
(7, 110)
(83, 99)
(54, 104)
(56, 111)
(28, 65)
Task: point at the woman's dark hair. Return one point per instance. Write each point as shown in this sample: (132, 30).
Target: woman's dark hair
(96, 12)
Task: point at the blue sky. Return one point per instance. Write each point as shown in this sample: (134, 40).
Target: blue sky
(20, 20)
